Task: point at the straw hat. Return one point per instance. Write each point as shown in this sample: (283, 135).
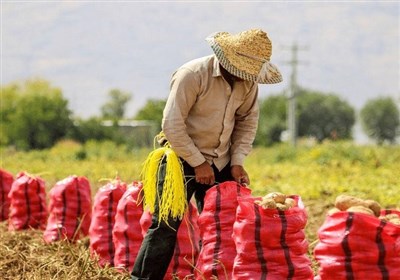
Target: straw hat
(246, 55)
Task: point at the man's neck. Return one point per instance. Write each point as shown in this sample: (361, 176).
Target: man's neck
(227, 76)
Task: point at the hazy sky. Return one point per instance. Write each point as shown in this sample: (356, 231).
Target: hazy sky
(88, 48)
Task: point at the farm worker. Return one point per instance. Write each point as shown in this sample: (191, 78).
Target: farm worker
(209, 123)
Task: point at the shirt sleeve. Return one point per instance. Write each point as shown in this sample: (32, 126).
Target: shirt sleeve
(245, 128)
(184, 88)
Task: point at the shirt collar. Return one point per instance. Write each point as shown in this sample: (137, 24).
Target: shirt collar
(216, 67)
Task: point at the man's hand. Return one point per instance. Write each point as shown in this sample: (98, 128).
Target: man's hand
(240, 175)
(204, 174)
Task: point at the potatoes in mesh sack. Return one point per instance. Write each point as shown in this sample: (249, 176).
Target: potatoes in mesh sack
(276, 200)
(391, 218)
(358, 205)
(360, 209)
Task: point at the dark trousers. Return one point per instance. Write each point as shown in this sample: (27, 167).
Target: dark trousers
(158, 245)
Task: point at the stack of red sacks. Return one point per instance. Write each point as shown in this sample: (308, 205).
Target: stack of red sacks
(242, 240)
(28, 207)
(218, 250)
(127, 231)
(6, 180)
(356, 245)
(270, 243)
(70, 210)
(103, 219)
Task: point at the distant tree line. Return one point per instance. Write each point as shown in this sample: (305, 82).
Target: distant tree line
(319, 115)
(326, 116)
(35, 115)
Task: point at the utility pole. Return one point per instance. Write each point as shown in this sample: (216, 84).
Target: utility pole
(292, 103)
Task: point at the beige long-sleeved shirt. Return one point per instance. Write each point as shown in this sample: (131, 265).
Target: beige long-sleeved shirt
(206, 119)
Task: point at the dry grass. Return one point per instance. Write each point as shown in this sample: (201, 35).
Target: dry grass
(318, 174)
(24, 255)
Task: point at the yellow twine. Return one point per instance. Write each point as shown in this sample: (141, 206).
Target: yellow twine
(172, 202)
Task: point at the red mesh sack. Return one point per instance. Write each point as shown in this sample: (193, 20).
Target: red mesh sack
(6, 180)
(216, 226)
(186, 248)
(70, 210)
(103, 219)
(270, 243)
(358, 246)
(127, 231)
(28, 207)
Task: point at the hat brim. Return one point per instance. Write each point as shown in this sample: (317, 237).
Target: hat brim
(273, 76)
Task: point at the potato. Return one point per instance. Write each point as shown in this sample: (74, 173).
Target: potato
(360, 209)
(333, 211)
(276, 200)
(343, 202)
(395, 221)
(290, 202)
(391, 218)
(266, 203)
(277, 196)
(281, 206)
(374, 206)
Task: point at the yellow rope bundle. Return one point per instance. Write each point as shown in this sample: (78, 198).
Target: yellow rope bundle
(172, 202)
